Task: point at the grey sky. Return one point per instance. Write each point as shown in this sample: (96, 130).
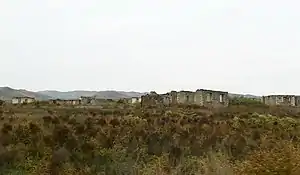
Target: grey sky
(244, 46)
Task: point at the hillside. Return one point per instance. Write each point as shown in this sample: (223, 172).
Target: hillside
(243, 95)
(7, 93)
(98, 94)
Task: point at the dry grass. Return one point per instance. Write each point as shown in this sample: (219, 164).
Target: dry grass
(182, 140)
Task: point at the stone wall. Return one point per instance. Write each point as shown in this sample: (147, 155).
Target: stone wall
(167, 99)
(22, 100)
(88, 100)
(297, 100)
(211, 98)
(284, 100)
(173, 97)
(185, 97)
(200, 97)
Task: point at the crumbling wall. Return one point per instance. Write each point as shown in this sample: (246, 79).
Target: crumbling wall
(297, 100)
(283, 100)
(190, 97)
(270, 100)
(134, 100)
(198, 98)
(173, 97)
(210, 98)
(167, 99)
(185, 97)
(88, 100)
(152, 99)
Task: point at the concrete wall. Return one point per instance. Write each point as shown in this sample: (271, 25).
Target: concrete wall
(297, 100)
(211, 98)
(173, 97)
(269, 100)
(135, 100)
(88, 100)
(65, 102)
(15, 101)
(185, 97)
(27, 100)
(181, 97)
(198, 98)
(22, 100)
(283, 100)
(167, 99)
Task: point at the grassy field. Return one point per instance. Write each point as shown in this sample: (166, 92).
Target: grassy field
(120, 139)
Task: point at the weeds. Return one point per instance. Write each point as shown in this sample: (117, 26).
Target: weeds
(169, 141)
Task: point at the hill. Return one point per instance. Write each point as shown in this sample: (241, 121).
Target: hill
(98, 94)
(243, 95)
(7, 93)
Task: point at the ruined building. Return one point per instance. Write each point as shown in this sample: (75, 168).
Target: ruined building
(202, 97)
(284, 100)
(134, 100)
(88, 100)
(185, 97)
(22, 100)
(210, 98)
(152, 99)
(65, 101)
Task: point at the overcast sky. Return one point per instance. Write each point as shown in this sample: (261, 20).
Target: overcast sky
(240, 46)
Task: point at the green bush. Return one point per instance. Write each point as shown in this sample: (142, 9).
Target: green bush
(244, 101)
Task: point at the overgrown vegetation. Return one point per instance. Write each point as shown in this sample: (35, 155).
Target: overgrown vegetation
(240, 140)
(245, 101)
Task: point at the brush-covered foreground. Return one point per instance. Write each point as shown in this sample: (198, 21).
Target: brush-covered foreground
(123, 140)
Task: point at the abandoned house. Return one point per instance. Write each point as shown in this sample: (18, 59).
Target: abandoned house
(284, 100)
(55, 101)
(167, 99)
(73, 102)
(88, 100)
(65, 102)
(22, 100)
(185, 97)
(134, 100)
(211, 98)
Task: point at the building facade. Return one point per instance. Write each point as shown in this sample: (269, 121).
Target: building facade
(211, 98)
(283, 100)
(88, 100)
(185, 97)
(65, 102)
(22, 100)
(134, 100)
(201, 97)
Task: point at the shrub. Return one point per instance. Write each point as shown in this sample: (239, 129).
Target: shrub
(245, 101)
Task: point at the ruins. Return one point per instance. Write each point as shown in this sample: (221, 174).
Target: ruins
(283, 100)
(201, 97)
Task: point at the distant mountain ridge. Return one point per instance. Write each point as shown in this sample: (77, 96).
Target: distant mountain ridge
(98, 94)
(243, 95)
(7, 93)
